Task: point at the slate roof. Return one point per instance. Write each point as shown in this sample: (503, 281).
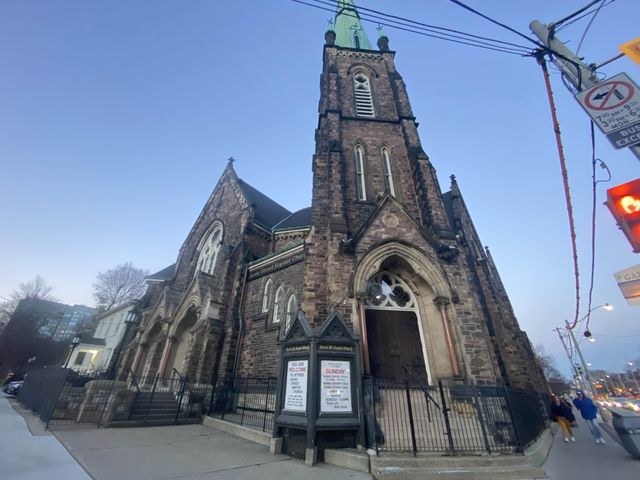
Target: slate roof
(268, 212)
(301, 218)
(166, 273)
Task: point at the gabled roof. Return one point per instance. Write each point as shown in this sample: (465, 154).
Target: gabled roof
(268, 212)
(166, 273)
(299, 219)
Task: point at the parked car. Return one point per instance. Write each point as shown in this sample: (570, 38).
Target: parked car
(12, 388)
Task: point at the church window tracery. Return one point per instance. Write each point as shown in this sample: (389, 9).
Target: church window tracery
(387, 291)
(266, 296)
(278, 305)
(360, 181)
(364, 99)
(292, 309)
(209, 250)
(386, 167)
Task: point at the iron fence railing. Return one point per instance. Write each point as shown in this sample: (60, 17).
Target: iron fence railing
(61, 396)
(247, 401)
(450, 417)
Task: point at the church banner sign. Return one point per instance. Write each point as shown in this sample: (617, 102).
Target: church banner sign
(295, 397)
(335, 386)
(629, 283)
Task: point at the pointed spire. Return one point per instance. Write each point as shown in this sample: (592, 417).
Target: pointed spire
(348, 28)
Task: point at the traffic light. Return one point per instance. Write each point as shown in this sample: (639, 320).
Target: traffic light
(624, 203)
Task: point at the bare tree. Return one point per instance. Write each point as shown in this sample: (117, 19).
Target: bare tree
(118, 285)
(557, 382)
(36, 288)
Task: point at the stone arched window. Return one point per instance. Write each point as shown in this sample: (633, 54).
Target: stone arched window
(266, 295)
(278, 305)
(209, 249)
(386, 168)
(292, 309)
(363, 96)
(361, 189)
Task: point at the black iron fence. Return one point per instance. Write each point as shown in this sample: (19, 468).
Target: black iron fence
(167, 400)
(248, 401)
(41, 390)
(61, 396)
(450, 417)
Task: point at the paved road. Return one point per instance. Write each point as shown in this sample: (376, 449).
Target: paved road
(585, 460)
(32, 456)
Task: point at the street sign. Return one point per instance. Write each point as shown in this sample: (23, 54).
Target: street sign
(629, 283)
(614, 105)
(632, 50)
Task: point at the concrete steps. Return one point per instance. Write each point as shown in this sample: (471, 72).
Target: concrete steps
(163, 408)
(485, 467)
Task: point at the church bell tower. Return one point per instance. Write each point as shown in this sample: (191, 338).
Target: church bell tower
(387, 250)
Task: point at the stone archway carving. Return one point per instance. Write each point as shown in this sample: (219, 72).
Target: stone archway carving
(421, 263)
(422, 274)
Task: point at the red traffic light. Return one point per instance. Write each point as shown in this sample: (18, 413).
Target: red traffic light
(624, 203)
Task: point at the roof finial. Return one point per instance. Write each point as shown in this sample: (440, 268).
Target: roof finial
(348, 28)
(231, 160)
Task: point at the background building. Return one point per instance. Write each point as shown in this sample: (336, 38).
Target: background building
(39, 333)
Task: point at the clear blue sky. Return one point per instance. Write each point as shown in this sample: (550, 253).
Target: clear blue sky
(117, 118)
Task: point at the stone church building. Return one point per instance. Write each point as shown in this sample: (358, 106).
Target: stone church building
(381, 245)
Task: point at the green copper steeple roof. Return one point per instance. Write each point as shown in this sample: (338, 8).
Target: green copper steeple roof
(349, 31)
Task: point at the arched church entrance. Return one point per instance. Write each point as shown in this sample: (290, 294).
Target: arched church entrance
(150, 342)
(181, 342)
(394, 333)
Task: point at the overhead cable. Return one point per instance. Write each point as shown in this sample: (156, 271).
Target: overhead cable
(584, 34)
(422, 31)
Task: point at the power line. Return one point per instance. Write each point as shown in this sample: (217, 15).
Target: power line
(513, 30)
(565, 25)
(577, 12)
(589, 26)
(390, 17)
(423, 31)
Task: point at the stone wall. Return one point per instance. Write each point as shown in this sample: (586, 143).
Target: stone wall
(259, 350)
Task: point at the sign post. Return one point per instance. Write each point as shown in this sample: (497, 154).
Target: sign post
(614, 105)
(317, 400)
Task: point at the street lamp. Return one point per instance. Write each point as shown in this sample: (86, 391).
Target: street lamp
(587, 333)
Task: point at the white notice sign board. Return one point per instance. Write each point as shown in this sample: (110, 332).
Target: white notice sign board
(335, 386)
(295, 397)
(614, 105)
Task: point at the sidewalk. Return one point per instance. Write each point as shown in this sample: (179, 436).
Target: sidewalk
(32, 456)
(153, 453)
(586, 460)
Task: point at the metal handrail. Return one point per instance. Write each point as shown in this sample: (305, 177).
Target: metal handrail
(175, 372)
(421, 386)
(134, 380)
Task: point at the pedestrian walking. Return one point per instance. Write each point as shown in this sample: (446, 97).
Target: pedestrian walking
(589, 412)
(561, 413)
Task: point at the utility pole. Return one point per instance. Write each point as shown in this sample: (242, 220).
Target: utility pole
(581, 75)
(576, 374)
(584, 364)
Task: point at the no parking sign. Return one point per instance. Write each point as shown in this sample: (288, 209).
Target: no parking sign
(614, 105)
